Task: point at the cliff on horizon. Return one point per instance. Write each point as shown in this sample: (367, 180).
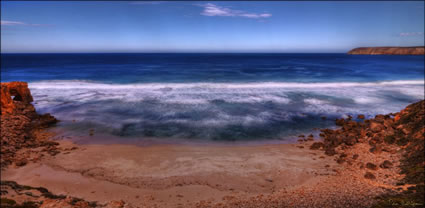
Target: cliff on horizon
(388, 51)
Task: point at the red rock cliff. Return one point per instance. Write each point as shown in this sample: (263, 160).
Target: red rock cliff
(14, 95)
(388, 51)
(22, 143)
(19, 123)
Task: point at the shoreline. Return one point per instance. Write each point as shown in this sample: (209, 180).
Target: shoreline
(351, 166)
(217, 113)
(106, 139)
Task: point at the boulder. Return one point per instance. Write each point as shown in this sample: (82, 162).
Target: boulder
(386, 164)
(376, 149)
(380, 118)
(371, 166)
(46, 120)
(330, 152)
(389, 139)
(369, 175)
(376, 127)
(21, 162)
(350, 140)
(316, 145)
(116, 204)
(339, 122)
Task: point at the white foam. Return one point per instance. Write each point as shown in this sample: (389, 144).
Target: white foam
(203, 93)
(78, 84)
(313, 101)
(216, 105)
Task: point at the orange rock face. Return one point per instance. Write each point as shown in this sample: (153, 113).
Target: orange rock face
(11, 92)
(388, 51)
(20, 123)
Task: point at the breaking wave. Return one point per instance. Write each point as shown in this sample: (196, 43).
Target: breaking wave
(216, 111)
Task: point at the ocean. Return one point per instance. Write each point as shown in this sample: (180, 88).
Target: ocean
(168, 98)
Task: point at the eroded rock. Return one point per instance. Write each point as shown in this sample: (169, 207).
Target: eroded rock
(20, 122)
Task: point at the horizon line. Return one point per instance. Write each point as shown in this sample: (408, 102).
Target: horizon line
(207, 52)
(173, 52)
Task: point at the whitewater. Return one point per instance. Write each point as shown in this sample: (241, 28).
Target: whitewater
(212, 97)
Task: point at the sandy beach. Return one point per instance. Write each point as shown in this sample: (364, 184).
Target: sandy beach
(282, 175)
(279, 175)
(173, 175)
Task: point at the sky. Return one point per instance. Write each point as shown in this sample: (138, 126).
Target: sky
(217, 26)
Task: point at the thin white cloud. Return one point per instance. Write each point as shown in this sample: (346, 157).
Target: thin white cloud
(11, 23)
(5, 22)
(407, 34)
(214, 10)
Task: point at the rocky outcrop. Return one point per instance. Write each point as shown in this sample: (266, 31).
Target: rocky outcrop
(400, 129)
(33, 197)
(21, 125)
(403, 132)
(388, 51)
(15, 98)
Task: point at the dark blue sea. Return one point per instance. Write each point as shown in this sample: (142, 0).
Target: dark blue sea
(212, 97)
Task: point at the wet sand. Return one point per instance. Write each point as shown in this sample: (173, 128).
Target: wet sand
(174, 175)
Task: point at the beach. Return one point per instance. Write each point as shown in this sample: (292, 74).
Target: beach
(175, 175)
(351, 166)
(221, 104)
(172, 175)
(283, 175)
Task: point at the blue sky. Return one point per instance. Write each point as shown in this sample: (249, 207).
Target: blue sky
(208, 26)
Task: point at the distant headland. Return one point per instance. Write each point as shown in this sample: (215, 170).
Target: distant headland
(419, 50)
